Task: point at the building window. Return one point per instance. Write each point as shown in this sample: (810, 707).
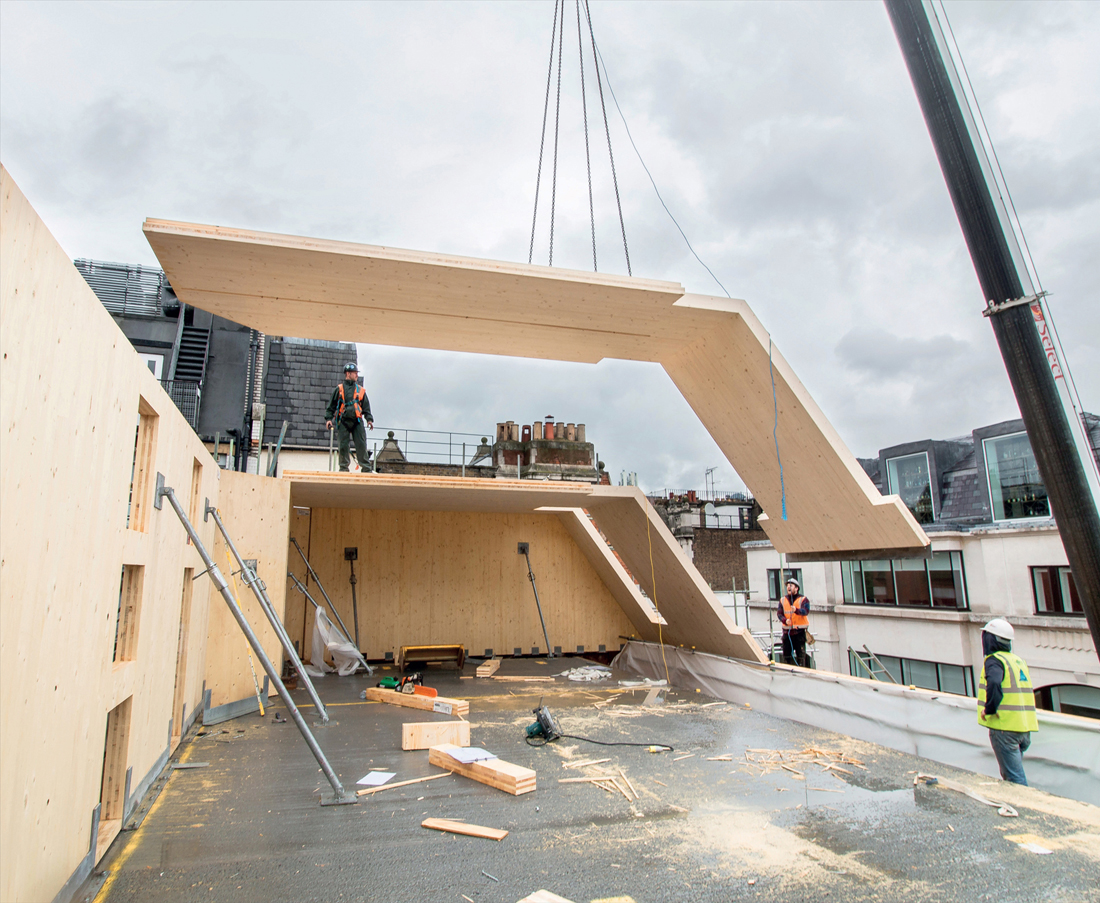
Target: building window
(938, 582)
(1055, 591)
(908, 477)
(155, 362)
(1071, 699)
(1015, 488)
(777, 590)
(957, 679)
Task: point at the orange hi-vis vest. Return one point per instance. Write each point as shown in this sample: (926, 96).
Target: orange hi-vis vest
(360, 394)
(795, 621)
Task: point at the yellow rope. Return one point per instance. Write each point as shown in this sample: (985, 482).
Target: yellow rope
(653, 584)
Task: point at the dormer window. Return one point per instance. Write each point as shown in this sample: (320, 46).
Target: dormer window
(1015, 488)
(907, 477)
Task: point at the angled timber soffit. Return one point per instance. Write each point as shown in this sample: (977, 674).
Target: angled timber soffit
(714, 349)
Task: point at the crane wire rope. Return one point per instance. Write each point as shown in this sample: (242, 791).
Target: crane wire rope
(597, 59)
(587, 152)
(557, 122)
(542, 139)
(1001, 184)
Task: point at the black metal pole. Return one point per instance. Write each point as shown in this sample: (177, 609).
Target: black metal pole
(1071, 500)
(523, 547)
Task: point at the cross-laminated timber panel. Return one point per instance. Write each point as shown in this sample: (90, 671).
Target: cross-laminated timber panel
(68, 526)
(715, 350)
(443, 574)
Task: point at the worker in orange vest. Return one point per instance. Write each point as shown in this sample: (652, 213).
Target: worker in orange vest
(793, 609)
(350, 409)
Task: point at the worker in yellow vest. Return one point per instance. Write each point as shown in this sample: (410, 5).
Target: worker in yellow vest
(1006, 701)
(793, 610)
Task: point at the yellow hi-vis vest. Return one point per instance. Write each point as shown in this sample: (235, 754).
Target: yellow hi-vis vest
(1017, 709)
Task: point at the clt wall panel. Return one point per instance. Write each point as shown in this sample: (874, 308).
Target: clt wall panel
(65, 486)
(254, 510)
(427, 577)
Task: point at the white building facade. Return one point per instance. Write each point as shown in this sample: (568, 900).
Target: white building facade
(996, 552)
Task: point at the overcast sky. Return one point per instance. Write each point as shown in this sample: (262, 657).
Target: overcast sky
(785, 137)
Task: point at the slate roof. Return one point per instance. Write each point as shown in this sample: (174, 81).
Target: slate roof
(301, 375)
(963, 490)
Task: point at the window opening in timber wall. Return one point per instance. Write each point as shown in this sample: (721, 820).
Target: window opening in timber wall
(129, 613)
(193, 512)
(179, 693)
(141, 479)
(112, 795)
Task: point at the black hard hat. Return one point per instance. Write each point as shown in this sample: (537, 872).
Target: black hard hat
(351, 365)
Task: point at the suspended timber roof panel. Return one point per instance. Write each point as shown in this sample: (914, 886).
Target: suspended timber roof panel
(714, 349)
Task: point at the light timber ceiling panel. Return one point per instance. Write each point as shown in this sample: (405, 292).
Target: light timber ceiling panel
(714, 349)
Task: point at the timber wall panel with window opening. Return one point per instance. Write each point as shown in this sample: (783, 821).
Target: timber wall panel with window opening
(112, 796)
(64, 538)
(141, 485)
(129, 613)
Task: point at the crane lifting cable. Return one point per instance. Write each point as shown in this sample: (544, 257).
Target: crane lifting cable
(557, 45)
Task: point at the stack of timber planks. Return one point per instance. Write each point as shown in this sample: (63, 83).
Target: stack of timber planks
(513, 779)
(489, 668)
(415, 701)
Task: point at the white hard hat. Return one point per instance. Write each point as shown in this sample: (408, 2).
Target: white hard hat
(1000, 627)
(795, 582)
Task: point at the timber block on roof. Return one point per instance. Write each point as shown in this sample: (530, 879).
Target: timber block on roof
(716, 351)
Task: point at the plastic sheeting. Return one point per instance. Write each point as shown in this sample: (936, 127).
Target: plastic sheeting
(327, 638)
(1064, 757)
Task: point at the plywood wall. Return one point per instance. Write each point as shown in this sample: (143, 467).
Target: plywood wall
(254, 511)
(447, 577)
(71, 393)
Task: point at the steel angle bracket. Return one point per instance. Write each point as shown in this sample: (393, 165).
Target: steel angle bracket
(347, 798)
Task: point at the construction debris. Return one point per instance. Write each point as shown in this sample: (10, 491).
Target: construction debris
(461, 827)
(1002, 808)
(430, 777)
(587, 673)
(585, 763)
(771, 760)
(513, 779)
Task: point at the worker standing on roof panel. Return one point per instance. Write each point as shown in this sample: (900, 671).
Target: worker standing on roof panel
(1006, 702)
(351, 409)
(793, 609)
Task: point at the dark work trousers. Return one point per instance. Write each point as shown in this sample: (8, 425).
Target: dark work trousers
(344, 435)
(794, 647)
(1009, 748)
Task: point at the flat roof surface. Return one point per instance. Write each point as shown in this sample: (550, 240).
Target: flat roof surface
(249, 826)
